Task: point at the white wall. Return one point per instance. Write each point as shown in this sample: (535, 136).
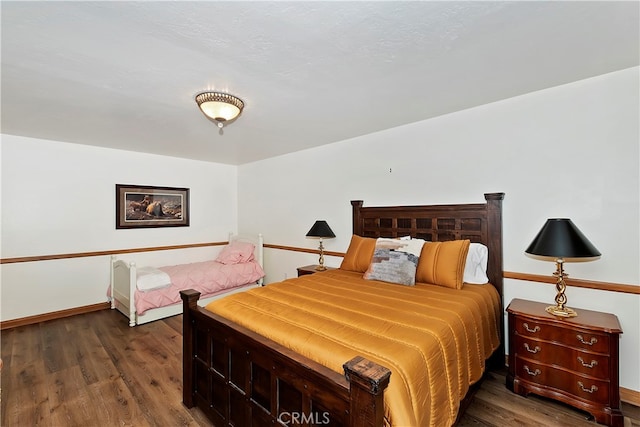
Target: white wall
(60, 198)
(567, 151)
(570, 151)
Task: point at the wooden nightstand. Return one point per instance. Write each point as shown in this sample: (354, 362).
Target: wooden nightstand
(573, 360)
(310, 269)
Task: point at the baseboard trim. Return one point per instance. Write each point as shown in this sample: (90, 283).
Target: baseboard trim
(630, 396)
(31, 320)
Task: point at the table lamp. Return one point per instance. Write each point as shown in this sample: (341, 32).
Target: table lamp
(320, 230)
(560, 240)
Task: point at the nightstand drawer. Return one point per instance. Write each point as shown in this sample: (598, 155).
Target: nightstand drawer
(592, 364)
(579, 339)
(582, 387)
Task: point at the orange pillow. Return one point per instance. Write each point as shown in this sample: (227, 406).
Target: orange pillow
(359, 254)
(442, 263)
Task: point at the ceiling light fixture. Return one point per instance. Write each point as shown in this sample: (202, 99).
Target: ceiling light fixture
(220, 107)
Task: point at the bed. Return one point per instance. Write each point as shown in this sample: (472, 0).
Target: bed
(146, 294)
(256, 367)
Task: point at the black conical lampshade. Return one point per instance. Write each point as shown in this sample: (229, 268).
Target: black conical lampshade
(560, 238)
(321, 229)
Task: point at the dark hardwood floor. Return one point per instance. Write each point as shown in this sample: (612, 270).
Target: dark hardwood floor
(93, 370)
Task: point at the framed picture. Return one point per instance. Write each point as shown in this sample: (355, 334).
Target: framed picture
(143, 206)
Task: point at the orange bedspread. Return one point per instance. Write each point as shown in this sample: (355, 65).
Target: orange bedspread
(435, 340)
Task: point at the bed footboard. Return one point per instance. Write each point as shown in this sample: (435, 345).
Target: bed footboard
(238, 377)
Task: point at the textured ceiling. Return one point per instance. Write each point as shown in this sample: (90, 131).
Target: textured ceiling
(124, 74)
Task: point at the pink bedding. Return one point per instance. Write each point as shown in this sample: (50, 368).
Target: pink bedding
(207, 277)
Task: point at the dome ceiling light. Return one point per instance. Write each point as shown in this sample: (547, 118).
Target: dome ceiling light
(220, 107)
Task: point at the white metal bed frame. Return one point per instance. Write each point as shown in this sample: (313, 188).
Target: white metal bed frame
(123, 286)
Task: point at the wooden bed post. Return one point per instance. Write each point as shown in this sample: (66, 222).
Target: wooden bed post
(496, 267)
(189, 302)
(367, 382)
(357, 221)
(494, 230)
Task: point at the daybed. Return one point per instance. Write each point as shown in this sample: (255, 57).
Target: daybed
(410, 354)
(147, 294)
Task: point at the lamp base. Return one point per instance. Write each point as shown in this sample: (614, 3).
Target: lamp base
(560, 311)
(321, 268)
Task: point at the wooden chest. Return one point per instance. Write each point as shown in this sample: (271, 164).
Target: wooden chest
(573, 360)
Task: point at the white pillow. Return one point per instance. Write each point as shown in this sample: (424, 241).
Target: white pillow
(150, 278)
(475, 268)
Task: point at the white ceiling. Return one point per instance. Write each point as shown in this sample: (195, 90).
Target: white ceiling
(124, 74)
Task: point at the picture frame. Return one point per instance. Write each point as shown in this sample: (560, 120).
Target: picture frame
(146, 206)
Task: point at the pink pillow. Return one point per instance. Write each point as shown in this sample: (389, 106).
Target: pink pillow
(236, 252)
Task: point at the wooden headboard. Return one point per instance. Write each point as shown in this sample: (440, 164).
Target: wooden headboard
(478, 222)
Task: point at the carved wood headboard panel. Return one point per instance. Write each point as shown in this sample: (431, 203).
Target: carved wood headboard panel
(478, 222)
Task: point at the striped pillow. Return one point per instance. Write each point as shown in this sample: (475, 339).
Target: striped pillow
(442, 263)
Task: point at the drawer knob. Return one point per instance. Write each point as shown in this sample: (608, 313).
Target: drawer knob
(587, 365)
(532, 373)
(535, 349)
(532, 330)
(588, 390)
(590, 342)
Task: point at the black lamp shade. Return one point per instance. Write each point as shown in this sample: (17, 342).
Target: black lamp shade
(560, 238)
(320, 229)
